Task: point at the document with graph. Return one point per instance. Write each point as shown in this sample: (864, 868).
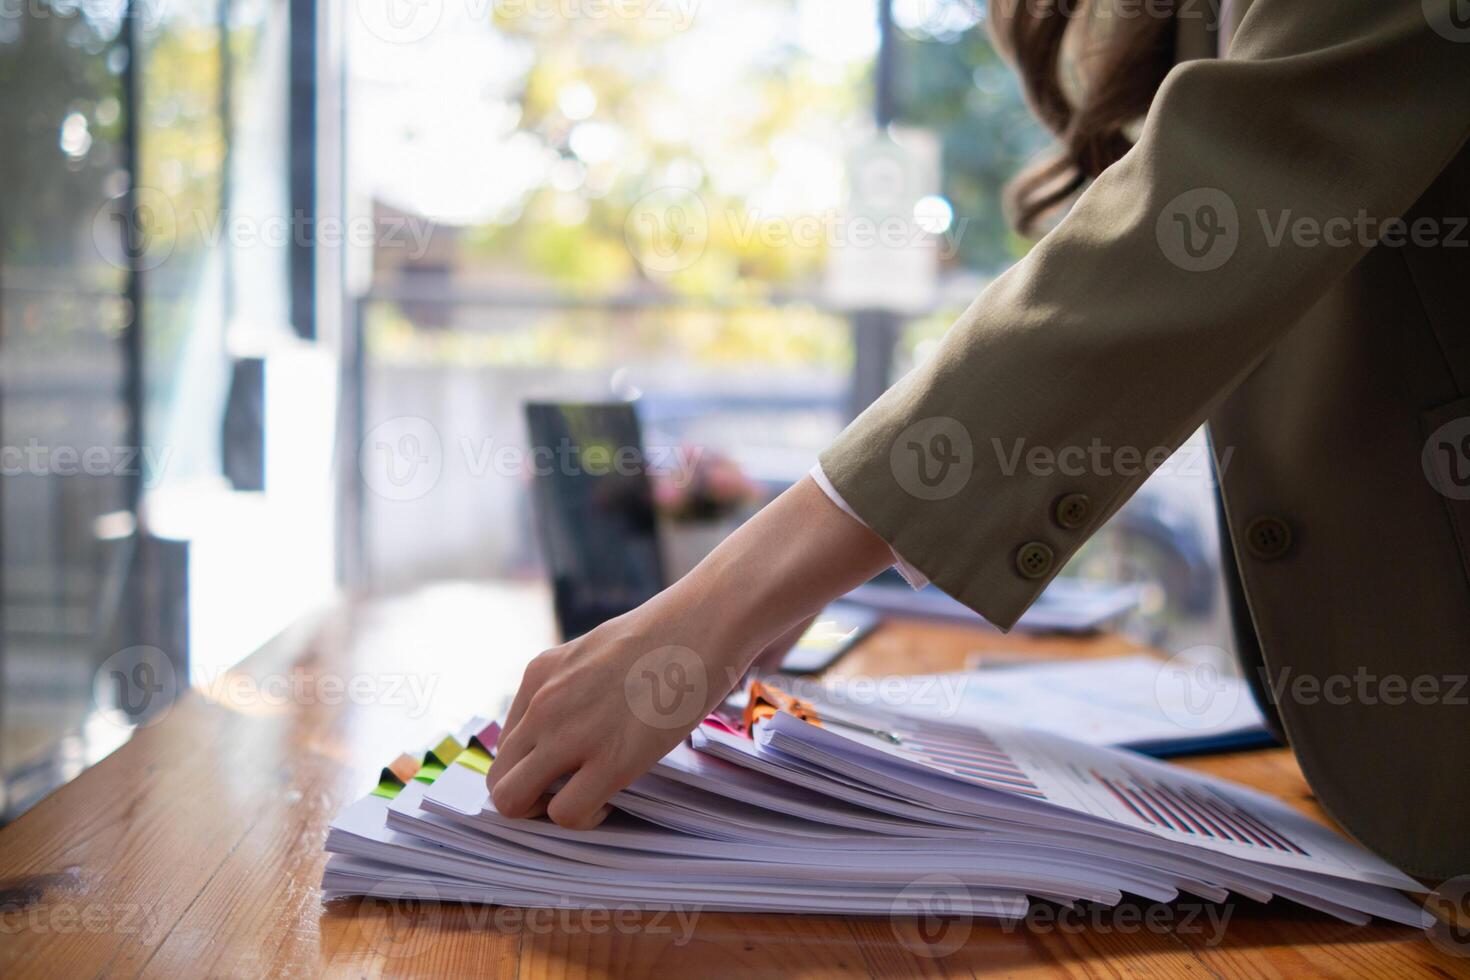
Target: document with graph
(1120, 788)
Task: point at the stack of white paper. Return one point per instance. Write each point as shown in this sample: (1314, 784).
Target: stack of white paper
(837, 819)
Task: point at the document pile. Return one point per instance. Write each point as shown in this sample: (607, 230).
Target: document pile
(874, 813)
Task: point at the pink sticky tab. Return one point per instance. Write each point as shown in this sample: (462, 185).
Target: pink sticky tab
(724, 725)
(489, 735)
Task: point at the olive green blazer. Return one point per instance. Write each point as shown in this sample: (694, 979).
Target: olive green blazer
(1244, 266)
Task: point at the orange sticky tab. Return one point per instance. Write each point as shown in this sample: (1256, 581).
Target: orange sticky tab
(404, 767)
(765, 700)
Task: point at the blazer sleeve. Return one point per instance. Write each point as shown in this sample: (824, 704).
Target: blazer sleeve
(1113, 339)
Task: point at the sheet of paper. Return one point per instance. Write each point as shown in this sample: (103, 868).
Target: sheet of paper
(1134, 701)
(1128, 790)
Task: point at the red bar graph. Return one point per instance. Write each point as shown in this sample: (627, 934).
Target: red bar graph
(975, 758)
(1195, 811)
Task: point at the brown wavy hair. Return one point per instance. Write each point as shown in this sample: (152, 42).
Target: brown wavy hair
(1116, 74)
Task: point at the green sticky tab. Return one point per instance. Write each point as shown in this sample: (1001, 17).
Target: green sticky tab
(475, 757)
(431, 770)
(438, 759)
(395, 775)
(445, 752)
(388, 789)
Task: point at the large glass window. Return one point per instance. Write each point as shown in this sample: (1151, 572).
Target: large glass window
(165, 438)
(672, 202)
(750, 216)
(63, 420)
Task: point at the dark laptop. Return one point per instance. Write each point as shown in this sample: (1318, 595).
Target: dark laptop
(595, 519)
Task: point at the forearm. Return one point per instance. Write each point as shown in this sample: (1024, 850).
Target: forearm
(780, 568)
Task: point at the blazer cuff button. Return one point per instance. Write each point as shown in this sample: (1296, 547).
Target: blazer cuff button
(1072, 511)
(1034, 560)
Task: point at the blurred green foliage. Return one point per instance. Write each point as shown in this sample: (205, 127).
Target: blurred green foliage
(960, 88)
(613, 106)
(572, 236)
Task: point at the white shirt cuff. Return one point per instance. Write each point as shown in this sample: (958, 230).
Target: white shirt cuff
(910, 574)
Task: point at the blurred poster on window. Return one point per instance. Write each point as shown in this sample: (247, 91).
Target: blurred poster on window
(883, 247)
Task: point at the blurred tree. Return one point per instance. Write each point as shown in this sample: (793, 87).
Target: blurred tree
(543, 139)
(60, 125)
(958, 86)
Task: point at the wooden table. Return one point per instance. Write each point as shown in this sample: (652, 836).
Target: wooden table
(196, 849)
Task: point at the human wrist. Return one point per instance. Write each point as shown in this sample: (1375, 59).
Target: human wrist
(781, 567)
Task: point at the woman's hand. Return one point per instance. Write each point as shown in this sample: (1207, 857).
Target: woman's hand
(606, 706)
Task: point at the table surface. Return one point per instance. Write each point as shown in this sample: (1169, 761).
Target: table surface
(196, 848)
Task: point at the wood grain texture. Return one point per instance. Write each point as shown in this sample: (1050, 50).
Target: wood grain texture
(196, 848)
